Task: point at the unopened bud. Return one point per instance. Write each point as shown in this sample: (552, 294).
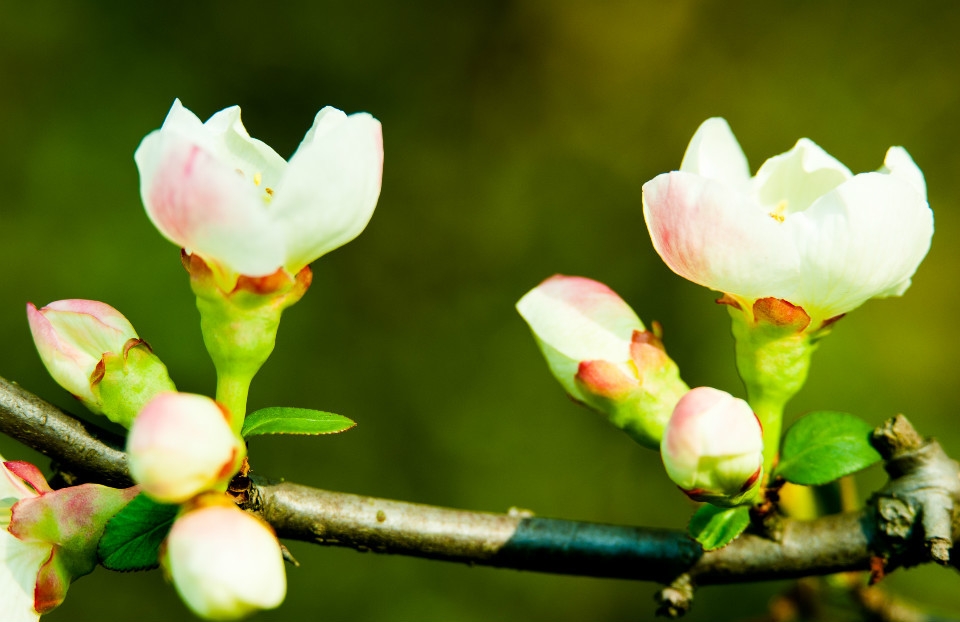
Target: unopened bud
(224, 562)
(603, 356)
(713, 448)
(93, 352)
(181, 445)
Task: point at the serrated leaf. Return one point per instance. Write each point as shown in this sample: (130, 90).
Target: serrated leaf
(285, 420)
(132, 538)
(715, 527)
(823, 446)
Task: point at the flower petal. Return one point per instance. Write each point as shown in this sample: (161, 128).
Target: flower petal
(331, 186)
(792, 181)
(69, 365)
(898, 163)
(202, 204)
(717, 237)
(19, 565)
(247, 154)
(575, 319)
(862, 240)
(714, 153)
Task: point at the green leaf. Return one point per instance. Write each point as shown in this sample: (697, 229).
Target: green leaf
(823, 446)
(284, 420)
(133, 536)
(715, 527)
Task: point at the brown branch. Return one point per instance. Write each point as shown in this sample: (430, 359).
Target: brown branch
(803, 548)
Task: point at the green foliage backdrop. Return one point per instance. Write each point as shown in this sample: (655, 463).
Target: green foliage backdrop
(517, 137)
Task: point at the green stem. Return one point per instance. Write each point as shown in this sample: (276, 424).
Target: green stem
(232, 392)
(773, 361)
(770, 414)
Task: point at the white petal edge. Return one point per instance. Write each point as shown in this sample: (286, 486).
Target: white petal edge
(331, 186)
(898, 163)
(798, 176)
(864, 239)
(714, 153)
(247, 154)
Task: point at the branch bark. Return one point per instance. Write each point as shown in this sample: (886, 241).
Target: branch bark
(844, 542)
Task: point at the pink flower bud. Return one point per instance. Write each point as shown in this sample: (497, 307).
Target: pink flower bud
(72, 336)
(600, 352)
(224, 562)
(181, 445)
(92, 351)
(713, 448)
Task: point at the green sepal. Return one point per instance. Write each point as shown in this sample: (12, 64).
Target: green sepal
(715, 527)
(131, 379)
(824, 446)
(286, 420)
(133, 537)
(239, 319)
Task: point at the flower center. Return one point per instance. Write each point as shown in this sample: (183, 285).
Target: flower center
(779, 213)
(258, 181)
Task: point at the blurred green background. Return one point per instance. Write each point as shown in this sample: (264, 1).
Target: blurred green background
(517, 136)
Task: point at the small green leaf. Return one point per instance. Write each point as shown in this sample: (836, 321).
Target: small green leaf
(133, 536)
(823, 446)
(715, 527)
(284, 420)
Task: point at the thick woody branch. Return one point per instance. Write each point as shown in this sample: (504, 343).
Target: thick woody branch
(831, 544)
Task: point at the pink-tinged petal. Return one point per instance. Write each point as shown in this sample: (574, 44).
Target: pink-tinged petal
(18, 576)
(181, 445)
(898, 163)
(202, 204)
(101, 311)
(714, 153)
(217, 578)
(331, 186)
(792, 181)
(69, 365)
(576, 319)
(718, 237)
(862, 240)
(712, 446)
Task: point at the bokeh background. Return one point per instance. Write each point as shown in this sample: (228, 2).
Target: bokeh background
(517, 137)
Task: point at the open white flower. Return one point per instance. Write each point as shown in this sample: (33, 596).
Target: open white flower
(217, 192)
(804, 229)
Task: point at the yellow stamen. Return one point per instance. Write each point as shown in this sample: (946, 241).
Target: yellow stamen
(257, 178)
(780, 213)
(269, 191)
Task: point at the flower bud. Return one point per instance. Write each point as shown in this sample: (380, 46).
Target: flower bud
(713, 448)
(93, 352)
(224, 562)
(181, 445)
(600, 352)
(48, 537)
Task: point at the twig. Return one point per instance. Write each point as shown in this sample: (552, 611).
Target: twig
(827, 545)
